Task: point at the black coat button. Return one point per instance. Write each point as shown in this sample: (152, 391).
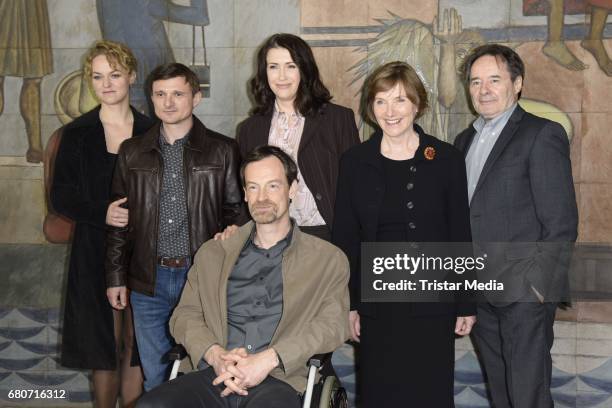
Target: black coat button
(410, 205)
(409, 186)
(413, 168)
(411, 225)
(319, 197)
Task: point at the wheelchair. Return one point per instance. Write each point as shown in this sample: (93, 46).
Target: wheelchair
(325, 393)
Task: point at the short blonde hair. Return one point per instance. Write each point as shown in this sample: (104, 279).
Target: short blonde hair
(116, 53)
(386, 77)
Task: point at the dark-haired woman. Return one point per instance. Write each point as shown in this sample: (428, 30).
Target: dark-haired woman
(292, 111)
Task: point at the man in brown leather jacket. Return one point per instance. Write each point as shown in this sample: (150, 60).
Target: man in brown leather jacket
(182, 186)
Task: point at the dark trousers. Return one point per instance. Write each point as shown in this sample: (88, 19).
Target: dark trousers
(514, 344)
(195, 390)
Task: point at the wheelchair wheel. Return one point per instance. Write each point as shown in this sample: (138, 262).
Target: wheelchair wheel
(333, 395)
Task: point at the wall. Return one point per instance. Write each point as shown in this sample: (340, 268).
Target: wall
(346, 37)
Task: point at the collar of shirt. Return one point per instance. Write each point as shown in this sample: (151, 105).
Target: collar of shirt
(164, 143)
(286, 120)
(498, 121)
(280, 246)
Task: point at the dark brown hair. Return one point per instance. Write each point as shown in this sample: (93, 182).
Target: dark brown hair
(264, 151)
(386, 77)
(311, 94)
(173, 70)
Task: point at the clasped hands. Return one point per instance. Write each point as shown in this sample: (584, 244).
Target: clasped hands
(238, 370)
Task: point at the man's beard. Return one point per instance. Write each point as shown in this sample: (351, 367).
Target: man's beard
(266, 216)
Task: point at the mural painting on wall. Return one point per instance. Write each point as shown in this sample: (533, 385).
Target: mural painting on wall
(555, 47)
(437, 52)
(139, 25)
(25, 52)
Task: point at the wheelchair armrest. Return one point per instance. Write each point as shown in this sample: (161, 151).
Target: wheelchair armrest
(319, 363)
(177, 352)
(319, 360)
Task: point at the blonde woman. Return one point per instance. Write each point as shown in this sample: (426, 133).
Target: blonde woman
(94, 335)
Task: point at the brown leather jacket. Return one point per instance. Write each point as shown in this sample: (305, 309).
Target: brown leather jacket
(212, 190)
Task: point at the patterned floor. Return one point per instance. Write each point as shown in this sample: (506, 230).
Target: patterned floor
(29, 361)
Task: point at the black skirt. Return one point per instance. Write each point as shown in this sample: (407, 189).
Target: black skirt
(405, 360)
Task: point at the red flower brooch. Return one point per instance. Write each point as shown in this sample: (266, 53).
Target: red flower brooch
(429, 153)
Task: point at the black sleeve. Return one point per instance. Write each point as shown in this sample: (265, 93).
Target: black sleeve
(346, 228)
(67, 195)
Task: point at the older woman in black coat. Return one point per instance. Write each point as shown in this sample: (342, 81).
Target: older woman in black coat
(93, 332)
(402, 185)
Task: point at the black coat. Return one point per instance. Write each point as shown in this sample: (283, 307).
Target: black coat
(440, 213)
(326, 135)
(81, 191)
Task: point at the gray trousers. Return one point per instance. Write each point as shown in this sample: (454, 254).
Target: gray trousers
(514, 343)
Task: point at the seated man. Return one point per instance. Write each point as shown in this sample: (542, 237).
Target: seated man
(258, 305)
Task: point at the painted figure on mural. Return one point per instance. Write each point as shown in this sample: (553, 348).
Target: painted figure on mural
(415, 42)
(556, 48)
(25, 52)
(141, 26)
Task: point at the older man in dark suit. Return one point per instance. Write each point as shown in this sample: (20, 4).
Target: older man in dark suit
(522, 199)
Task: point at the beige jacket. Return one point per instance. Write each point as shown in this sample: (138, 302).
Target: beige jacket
(315, 302)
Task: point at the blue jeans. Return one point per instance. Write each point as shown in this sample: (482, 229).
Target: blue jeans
(151, 317)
